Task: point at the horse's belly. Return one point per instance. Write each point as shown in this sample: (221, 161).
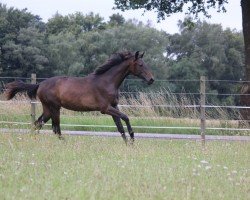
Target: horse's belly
(79, 105)
(80, 108)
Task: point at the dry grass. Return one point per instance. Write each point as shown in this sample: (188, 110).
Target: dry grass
(155, 105)
(142, 113)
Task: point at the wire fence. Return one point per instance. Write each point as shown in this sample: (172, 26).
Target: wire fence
(201, 107)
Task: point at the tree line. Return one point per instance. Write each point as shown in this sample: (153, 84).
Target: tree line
(76, 44)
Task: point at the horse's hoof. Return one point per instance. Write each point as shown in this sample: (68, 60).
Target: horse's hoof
(34, 131)
(38, 125)
(131, 142)
(61, 137)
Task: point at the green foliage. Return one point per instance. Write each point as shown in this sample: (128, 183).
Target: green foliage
(26, 55)
(116, 20)
(82, 54)
(62, 53)
(21, 43)
(74, 23)
(12, 20)
(206, 49)
(165, 8)
(96, 41)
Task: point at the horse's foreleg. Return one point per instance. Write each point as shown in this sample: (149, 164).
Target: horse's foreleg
(120, 128)
(116, 113)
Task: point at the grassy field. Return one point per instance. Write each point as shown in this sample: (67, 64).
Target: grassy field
(143, 119)
(43, 167)
(90, 122)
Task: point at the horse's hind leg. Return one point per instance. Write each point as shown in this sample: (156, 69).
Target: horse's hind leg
(39, 122)
(55, 117)
(43, 118)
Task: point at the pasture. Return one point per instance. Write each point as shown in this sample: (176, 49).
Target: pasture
(43, 167)
(16, 115)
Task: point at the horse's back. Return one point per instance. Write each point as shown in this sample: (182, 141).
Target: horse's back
(74, 93)
(60, 82)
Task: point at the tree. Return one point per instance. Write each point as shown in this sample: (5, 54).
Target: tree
(25, 55)
(12, 20)
(165, 8)
(245, 4)
(206, 49)
(63, 53)
(75, 23)
(116, 20)
(21, 42)
(57, 24)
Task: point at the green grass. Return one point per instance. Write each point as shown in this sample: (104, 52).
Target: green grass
(18, 110)
(68, 122)
(43, 167)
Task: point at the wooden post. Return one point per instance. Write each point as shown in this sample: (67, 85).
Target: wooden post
(202, 108)
(33, 105)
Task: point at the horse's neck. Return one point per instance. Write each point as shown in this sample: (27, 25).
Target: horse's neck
(117, 74)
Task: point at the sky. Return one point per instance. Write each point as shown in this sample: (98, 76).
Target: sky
(47, 8)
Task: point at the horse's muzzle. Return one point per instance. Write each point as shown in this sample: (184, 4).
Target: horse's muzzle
(151, 81)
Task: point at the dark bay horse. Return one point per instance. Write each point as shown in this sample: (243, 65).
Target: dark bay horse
(96, 92)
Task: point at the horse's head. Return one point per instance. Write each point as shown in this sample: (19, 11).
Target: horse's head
(140, 69)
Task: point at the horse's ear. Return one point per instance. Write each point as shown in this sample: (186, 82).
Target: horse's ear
(136, 55)
(141, 56)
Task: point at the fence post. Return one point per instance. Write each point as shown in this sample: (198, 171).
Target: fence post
(202, 108)
(32, 103)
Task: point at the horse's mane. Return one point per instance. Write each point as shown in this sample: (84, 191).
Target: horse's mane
(114, 59)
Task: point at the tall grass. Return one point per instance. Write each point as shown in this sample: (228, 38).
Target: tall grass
(144, 109)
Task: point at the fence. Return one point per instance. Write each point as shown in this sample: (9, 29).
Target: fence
(200, 105)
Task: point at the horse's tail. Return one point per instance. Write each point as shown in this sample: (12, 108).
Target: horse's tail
(11, 89)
